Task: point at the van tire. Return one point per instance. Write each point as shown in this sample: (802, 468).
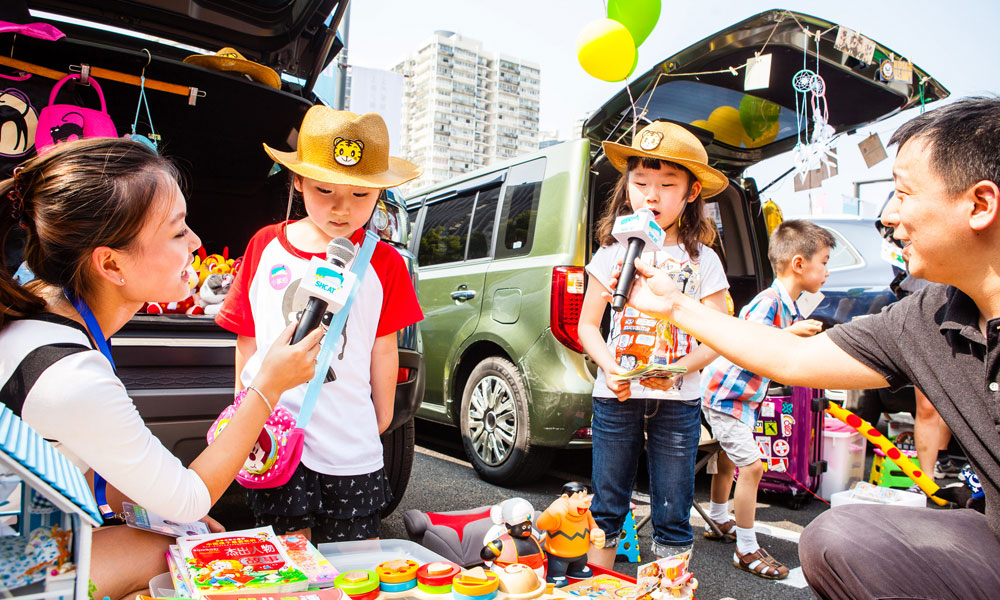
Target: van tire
(496, 387)
(397, 454)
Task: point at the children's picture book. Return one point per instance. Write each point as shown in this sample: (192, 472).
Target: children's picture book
(327, 594)
(179, 574)
(311, 561)
(240, 562)
(653, 370)
(140, 518)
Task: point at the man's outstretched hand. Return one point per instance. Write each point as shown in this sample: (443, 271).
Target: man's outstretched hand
(653, 292)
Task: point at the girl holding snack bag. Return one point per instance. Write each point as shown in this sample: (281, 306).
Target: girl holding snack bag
(340, 167)
(665, 171)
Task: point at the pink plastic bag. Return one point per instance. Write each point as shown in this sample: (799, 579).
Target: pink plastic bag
(59, 123)
(277, 452)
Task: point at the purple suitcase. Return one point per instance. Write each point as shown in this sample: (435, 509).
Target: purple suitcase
(789, 433)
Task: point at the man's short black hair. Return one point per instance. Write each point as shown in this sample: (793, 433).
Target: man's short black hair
(964, 139)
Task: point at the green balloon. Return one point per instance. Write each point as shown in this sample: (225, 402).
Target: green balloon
(638, 16)
(757, 115)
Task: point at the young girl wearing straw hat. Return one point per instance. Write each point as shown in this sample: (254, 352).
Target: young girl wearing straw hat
(666, 171)
(340, 167)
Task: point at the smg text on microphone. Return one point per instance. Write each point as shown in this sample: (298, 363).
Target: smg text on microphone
(634, 231)
(327, 284)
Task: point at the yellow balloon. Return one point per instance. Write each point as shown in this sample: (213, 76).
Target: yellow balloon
(606, 50)
(725, 123)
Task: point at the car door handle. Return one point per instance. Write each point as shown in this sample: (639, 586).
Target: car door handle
(463, 295)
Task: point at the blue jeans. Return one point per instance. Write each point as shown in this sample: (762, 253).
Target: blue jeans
(673, 429)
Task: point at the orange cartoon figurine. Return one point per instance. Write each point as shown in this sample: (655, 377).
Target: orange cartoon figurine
(571, 529)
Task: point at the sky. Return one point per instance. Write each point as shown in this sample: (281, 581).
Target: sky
(952, 41)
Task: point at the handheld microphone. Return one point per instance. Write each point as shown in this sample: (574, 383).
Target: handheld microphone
(327, 285)
(634, 231)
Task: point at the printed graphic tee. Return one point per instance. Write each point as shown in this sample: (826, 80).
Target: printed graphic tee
(637, 338)
(342, 436)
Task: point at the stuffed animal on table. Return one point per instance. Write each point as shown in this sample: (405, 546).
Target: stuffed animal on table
(571, 529)
(519, 544)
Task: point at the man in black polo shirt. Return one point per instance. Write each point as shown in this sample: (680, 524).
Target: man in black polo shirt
(945, 339)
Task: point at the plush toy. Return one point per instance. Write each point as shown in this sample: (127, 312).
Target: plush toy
(517, 545)
(185, 306)
(213, 291)
(571, 529)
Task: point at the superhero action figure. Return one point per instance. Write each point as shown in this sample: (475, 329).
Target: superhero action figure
(571, 529)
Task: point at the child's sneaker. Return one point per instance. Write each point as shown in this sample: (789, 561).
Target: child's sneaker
(946, 467)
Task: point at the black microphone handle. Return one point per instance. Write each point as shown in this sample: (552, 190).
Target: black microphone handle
(625, 279)
(310, 319)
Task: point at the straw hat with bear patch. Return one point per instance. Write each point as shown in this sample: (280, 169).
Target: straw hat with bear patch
(670, 142)
(340, 147)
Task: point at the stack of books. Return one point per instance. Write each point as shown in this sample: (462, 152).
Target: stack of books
(246, 562)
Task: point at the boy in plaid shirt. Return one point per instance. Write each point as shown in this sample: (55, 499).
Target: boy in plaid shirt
(798, 251)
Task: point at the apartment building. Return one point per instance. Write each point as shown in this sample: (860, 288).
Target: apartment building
(465, 107)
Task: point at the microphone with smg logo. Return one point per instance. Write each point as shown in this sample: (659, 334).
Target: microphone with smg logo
(327, 284)
(633, 231)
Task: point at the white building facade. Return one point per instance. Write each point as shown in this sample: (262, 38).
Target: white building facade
(465, 108)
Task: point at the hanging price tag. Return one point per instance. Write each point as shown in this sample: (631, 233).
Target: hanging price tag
(758, 75)
(872, 150)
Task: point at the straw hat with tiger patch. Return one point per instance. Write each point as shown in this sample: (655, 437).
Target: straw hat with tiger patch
(341, 147)
(670, 142)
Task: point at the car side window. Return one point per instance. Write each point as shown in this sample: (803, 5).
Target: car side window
(445, 231)
(844, 255)
(520, 208)
(481, 237)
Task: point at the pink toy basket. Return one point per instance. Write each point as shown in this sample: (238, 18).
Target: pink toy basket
(58, 123)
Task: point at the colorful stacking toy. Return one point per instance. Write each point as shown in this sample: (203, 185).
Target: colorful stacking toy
(436, 577)
(397, 575)
(359, 584)
(475, 584)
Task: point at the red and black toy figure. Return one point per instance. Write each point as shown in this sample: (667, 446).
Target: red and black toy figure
(571, 529)
(519, 545)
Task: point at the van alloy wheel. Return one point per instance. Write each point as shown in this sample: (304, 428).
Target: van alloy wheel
(496, 425)
(492, 420)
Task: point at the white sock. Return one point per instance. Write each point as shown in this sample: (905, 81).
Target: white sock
(718, 512)
(746, 540)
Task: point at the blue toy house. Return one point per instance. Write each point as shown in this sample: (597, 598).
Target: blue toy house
(47, 553)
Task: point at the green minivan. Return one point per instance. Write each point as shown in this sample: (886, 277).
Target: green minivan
(501, 251)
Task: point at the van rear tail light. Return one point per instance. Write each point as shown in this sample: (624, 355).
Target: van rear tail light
(403, 375)
(583, 433)
(567, 301)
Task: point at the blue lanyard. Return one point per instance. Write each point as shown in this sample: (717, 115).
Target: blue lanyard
(100, 484)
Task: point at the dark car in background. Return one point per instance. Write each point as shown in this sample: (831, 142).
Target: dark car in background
(179, 369)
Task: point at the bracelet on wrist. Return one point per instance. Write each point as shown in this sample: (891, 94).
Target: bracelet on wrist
(270, 407)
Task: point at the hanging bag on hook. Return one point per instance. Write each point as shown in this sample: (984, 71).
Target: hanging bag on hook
(59, 123)
(152, 140)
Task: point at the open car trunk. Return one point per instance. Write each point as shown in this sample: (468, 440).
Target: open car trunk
(715, 107)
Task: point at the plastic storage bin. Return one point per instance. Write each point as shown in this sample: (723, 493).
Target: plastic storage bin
(367, 554)
(844, 453)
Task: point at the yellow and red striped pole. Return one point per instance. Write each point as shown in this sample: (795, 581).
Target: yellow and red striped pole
(875, 436)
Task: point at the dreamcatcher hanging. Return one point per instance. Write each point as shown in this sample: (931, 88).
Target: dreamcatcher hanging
(813, 148)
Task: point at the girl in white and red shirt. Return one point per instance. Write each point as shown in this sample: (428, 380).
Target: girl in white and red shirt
(340, 167)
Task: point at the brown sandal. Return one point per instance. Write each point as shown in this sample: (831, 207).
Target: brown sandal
(728, 530)
(760, 563)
